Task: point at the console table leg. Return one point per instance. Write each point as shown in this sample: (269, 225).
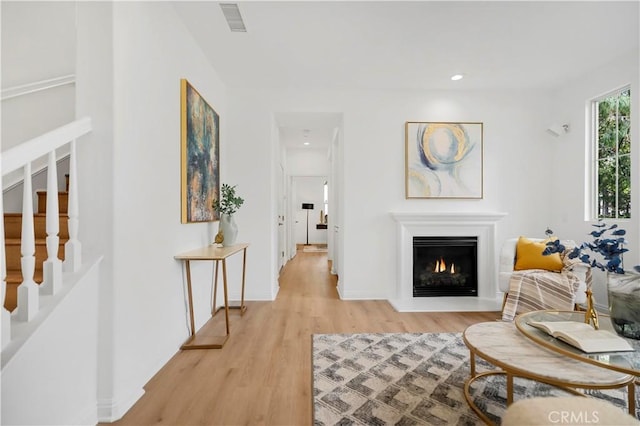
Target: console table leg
(244, 269)
(190, 295)
(226, 299)
(203, 339)
(215, 288)
(631, 395)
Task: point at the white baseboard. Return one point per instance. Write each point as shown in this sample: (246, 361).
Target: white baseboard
(111, 410)
(446, 304)
(88, 417)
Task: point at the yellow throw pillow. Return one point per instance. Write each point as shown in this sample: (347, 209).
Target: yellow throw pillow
(529, 256)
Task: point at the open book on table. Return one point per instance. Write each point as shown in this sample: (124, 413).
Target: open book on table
(583, 336)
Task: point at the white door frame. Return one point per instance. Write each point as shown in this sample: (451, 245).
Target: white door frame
(282, 216)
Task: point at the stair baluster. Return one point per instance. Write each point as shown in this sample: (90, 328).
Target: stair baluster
(5, 316)
(52, 268)
(28, 290)
(73, 247)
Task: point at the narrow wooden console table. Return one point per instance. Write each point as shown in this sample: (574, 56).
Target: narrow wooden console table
(215, 254)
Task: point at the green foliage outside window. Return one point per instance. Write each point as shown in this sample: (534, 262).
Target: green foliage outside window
(614, 155)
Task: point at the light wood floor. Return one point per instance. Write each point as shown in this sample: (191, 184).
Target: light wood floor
(263, 374)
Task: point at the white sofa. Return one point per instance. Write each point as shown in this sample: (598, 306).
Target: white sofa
(508, 257)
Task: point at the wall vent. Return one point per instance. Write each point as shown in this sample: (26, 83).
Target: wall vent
(234, 18)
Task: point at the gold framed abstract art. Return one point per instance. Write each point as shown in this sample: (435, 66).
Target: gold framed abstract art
(443, 160)
(199, 156)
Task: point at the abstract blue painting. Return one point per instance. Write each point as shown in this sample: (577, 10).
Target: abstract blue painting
(443, 160)
(200, 156)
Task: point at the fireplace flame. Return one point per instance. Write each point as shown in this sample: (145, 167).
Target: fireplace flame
(441, 266)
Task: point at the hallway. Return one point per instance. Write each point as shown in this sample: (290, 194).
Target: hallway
(263, 374)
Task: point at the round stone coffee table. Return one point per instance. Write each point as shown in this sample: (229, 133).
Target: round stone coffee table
(624, 362)
(505, 347)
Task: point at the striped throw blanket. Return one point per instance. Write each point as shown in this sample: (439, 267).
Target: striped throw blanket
(536, 289)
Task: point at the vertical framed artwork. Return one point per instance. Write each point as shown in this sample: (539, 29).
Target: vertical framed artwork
(443, 160)
(199, 156)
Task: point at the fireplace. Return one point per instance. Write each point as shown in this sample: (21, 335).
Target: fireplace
(445, 266)
(481, 225)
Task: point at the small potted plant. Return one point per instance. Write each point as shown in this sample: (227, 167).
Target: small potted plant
(605, 252)
(226, 205)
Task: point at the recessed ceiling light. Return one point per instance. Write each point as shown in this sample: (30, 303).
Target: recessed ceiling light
(457, 77)
(307, 143)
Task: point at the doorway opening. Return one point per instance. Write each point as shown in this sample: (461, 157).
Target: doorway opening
(310, 164)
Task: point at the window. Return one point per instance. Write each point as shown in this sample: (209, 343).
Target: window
(612, 144)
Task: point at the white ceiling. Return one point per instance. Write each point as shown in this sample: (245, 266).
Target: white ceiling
(317, 129)
(414, 44)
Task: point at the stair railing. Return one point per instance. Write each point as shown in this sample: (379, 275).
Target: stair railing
(22, 156)
(52, 268)
(28, 293)
(5, 319)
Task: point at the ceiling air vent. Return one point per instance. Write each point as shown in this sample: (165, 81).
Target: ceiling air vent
(232, 15)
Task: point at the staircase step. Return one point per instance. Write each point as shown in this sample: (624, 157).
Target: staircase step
(13, 233)
(14, 255)
(14, 279)
(11, 298)
(63, 201)
(13, 225)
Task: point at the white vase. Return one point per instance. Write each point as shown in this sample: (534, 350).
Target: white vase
(229, 230)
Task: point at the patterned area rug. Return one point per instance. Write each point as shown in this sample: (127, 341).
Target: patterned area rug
(410, 379)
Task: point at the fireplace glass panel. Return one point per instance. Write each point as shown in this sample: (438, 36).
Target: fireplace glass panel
(445, 266)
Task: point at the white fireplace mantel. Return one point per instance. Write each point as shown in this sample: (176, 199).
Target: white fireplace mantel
(455, 224)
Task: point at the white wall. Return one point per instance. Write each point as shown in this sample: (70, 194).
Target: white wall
(38, 43)
(516, 149)
(129, 82)
(95, 176)
(307, 162)
(51, 379)
(572, 105)
(152, 52)
(249, 161)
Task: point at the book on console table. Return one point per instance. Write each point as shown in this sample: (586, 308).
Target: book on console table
(583, 336)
